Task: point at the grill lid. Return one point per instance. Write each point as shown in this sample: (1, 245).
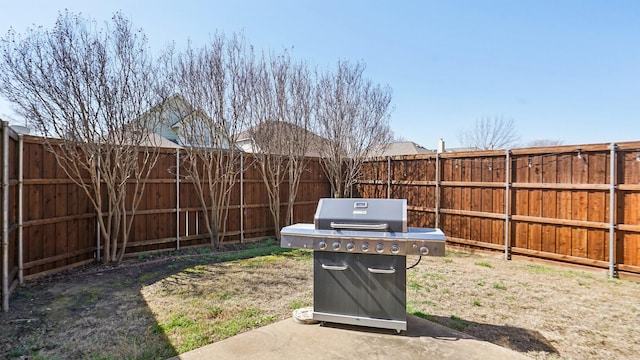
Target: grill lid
(389, 215)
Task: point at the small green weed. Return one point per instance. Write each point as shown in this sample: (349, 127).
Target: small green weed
(124, 283)
(203, 250)
(476, 303)
(297, 304)
(198, 269)
(433, 276)
(423, 315)
(225, 295)
(484, 264)
(457, 323)
(415, 285)
(480, 283)
(25, 294)
(246, 319)
(177, 321)
(144, 278)
(429, 303)
(580, 274)
(145, 256)
(538, 269)
(258, 262)
(87, 297)
(213, 311)
(499, 286)
(18, 352)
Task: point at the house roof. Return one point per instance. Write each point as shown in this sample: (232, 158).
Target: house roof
(174, 115)
(160, 141)
(401, 148)
(461, 149)
(267, 130)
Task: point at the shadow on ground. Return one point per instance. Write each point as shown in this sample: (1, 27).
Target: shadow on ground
(98, 311)
(514, 338)
(92, 312)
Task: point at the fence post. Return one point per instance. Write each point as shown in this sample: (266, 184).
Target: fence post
(98, 213)
(388, 177)
(613, 272)
(242, 198)
(177, 198)
(20, 208)
(507, 205)
(437, 195)
(5, 216)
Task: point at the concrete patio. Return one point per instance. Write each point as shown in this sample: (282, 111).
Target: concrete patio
(289, 339)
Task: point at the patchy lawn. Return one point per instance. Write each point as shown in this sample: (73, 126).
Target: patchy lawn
(156, 307)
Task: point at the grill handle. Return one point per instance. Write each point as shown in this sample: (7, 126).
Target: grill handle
(359, 226)
(382, 271)
(335, 267)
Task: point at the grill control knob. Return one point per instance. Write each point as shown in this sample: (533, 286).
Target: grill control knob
(350, 246)
(424, 250)
(365, 247)
(336, 246)
(322, 245)
(380, 248)
(395, 248)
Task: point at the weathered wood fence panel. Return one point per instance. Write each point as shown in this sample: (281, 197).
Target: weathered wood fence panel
(59, 223)
(552, 203)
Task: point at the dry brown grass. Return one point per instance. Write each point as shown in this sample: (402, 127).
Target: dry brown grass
(544, 311)
(158, 309)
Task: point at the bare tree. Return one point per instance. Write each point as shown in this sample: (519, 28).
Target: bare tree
(281, 120)
(213, 83)
(89, 88)
(490, 134)
(353, 116)
(544, 143)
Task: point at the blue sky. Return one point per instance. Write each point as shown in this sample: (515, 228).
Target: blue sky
(567, 70)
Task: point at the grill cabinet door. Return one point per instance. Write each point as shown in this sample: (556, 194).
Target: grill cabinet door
(335, 290)
(361, 285)
(384, 291)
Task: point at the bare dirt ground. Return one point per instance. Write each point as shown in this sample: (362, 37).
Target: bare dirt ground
(153, 308)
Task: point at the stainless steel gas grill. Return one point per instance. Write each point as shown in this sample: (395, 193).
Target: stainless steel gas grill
(359, 260)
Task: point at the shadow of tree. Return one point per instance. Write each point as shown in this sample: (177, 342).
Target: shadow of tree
(89, 312)
(100, 311)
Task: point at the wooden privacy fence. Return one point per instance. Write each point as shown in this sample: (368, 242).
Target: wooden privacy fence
(50, 225)
(577, 204)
